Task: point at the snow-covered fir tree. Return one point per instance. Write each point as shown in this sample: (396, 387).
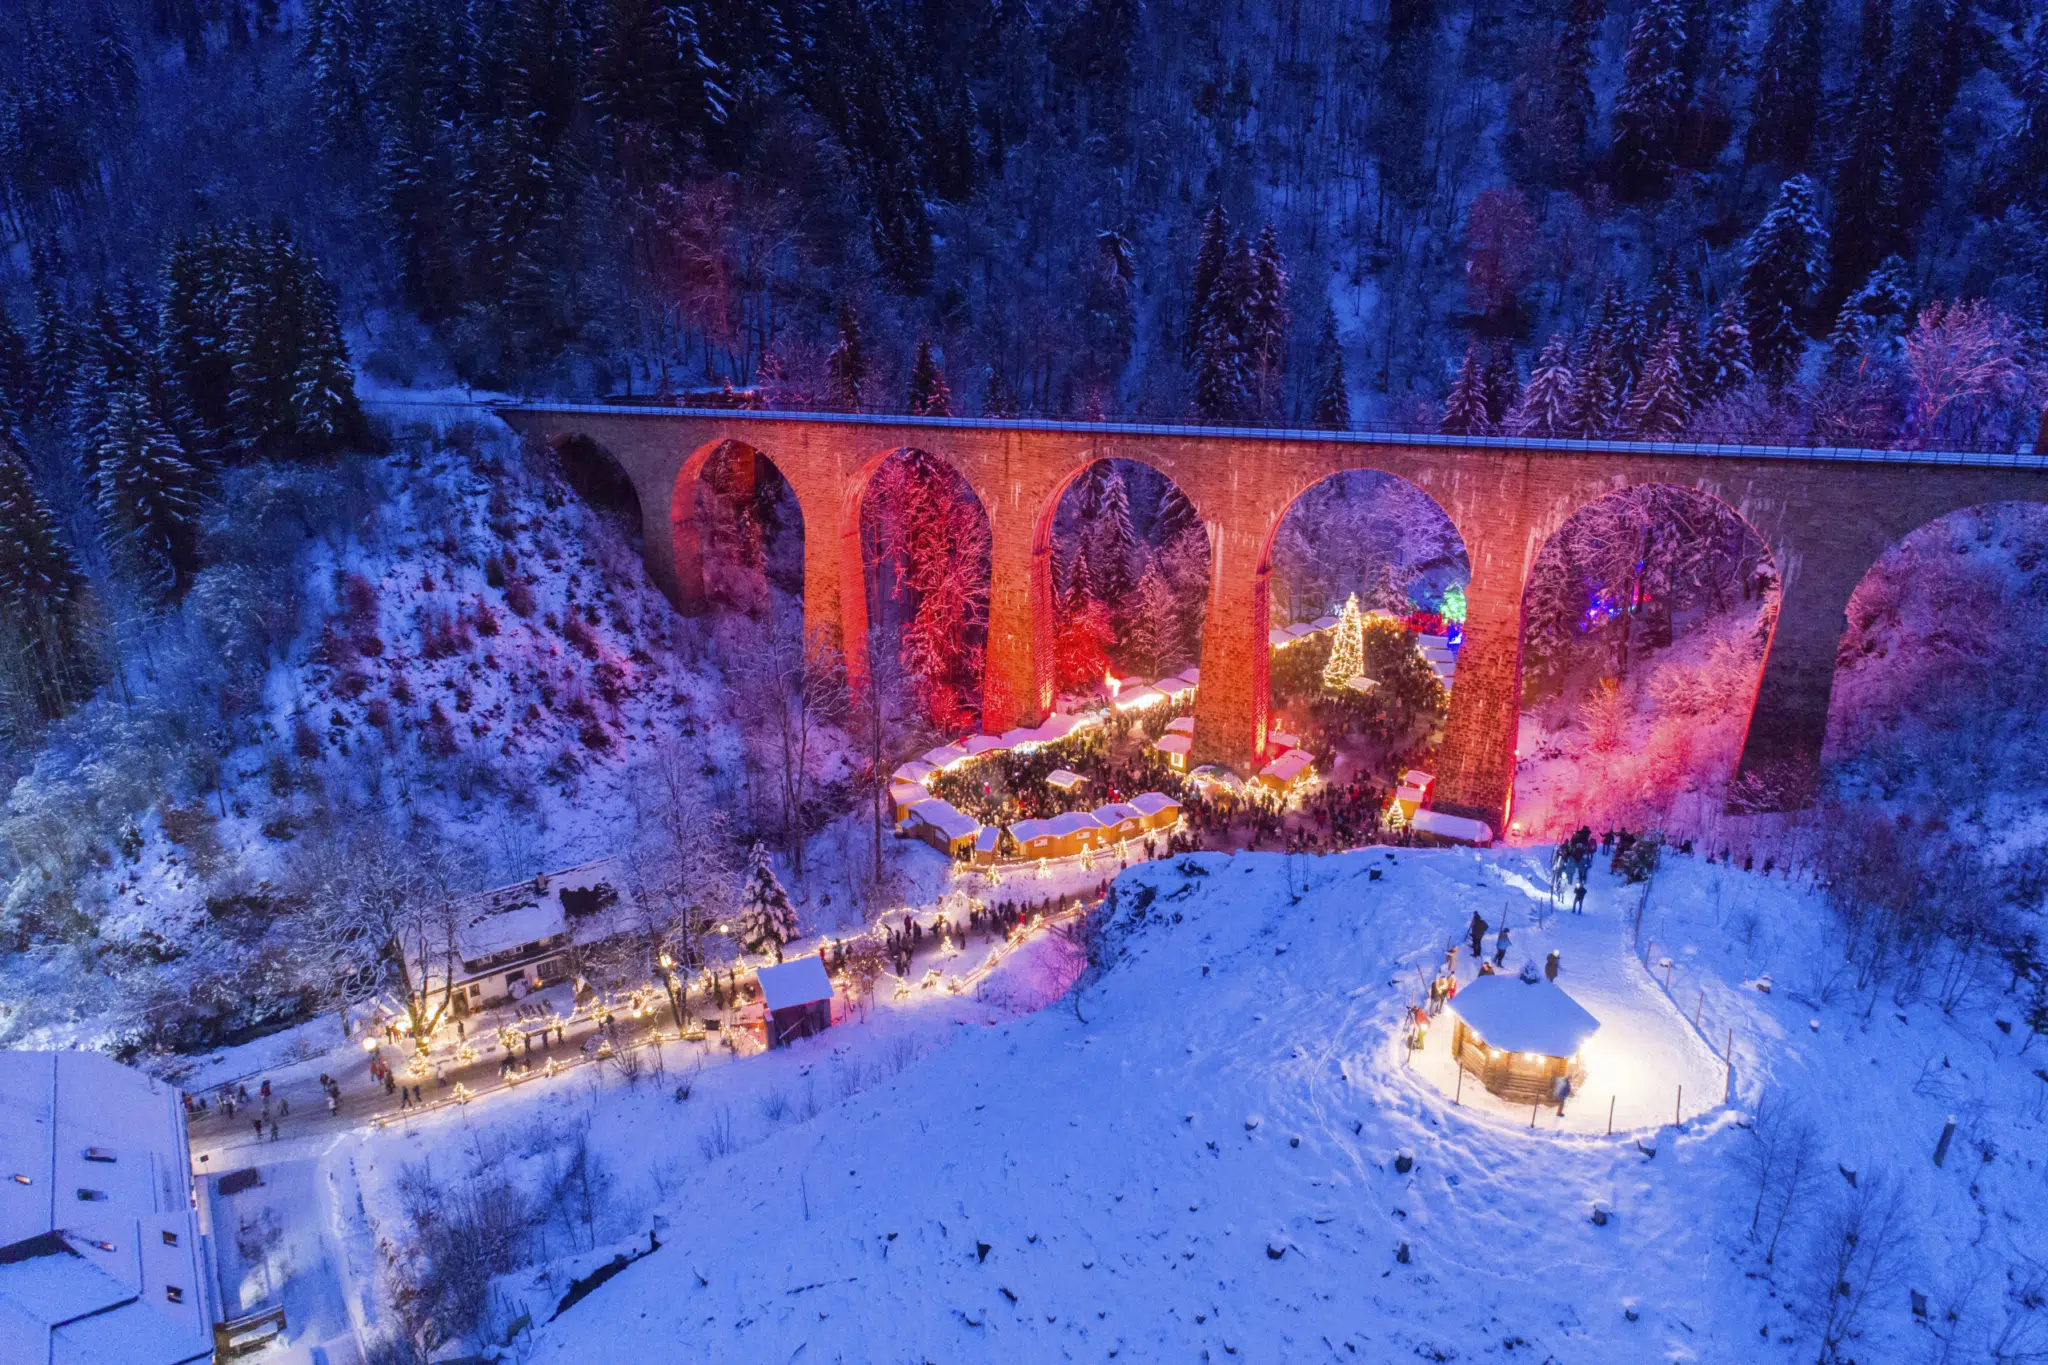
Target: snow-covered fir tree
(1594, 392)
(847, 366)
(1725, 363)
(1864, 190)
(928, 396)
(1873, 319)
(1465, 411)
(1648, 110)
(1503, 383)
(1211, 259)
(148, 494)
(767, 919)
(1783, 264)
(1661, 403)
(17, 375)
(1551, 395)
(1786, 96)
(1333, 388)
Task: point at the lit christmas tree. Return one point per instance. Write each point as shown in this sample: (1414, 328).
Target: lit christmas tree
(1347, 649)
(1453, 608)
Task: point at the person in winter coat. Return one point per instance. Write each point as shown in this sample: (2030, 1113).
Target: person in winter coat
(1500, 946)
(1560, 1091)
(1579, 899)
(1477, 928)
(1550, 966)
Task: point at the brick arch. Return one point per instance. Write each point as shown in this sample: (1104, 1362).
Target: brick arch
(1555, 529)
(1044, 686)
(852, 556)
(685, 539)
(1917, 528)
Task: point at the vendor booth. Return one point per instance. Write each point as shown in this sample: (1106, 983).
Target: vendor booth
(1517, 1035)
(797, 996)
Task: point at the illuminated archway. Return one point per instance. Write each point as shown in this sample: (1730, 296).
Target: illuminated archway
(1121, 577)
(915, 545)
(1940, 686)
(737, 533)
(1371, 538)
(1647, 617)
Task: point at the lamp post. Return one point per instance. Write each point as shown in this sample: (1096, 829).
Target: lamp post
(668, 979)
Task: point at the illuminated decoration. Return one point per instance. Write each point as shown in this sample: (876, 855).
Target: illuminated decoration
(1452, 609)
(1347, 648)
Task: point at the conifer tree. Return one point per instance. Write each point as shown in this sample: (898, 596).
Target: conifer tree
(1865, 186)
(1347, 647)
(1652, 101)
(1111, 541)
(196, 323)
(55, 350)
(39, 590)
(1660, 405)
(928, 396)
(336, 47)
(997, 397)
(1151, 636)
(1211, 259)
(2022, 158)
(766, 917)
(1874, 317)
(1549, 398)
(1503, 383)
(17, 376)
(1465, 406)
(1934, 60)
(293, 390)
(1333, 389)
(847, 367)
(1265, 323)
(1783, 265)
(147, 493)
(1725, 363)
(1787, 95)
(1594, 392)
(1550, 107)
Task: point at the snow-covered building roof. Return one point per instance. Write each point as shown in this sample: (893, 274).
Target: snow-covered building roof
(1115, 813)
(1524, 1016)
(1289, 766)
(99, 1243)
(1322, 623)
(802, 981)
(1415, 777)
(1175, 744)
(1181, 725)
(1417, 795)
(946, 818)
(1454, 827)
(1281, 740)
(549, 911)
(1073, 821)
(977, 745)
(945, 756)
(1064, 780)
(1428, 642)
(1060, 725)
(1209, 775)
(1138, 698)
(1177, 686)
(1021, 737)
(1278, 637)
(917, 770)
(1152, 803)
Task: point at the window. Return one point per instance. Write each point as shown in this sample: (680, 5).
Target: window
(170, 1238)
(174, 1294)
(99, 1154)
(91, 1196)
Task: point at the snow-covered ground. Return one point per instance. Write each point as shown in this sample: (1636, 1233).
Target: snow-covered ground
(1205, 1168)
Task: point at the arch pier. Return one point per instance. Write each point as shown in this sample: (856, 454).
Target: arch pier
(1825, 516)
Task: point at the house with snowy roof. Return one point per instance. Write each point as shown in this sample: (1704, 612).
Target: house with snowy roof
(1519, 1035)
(102, 1259)
(524, 937)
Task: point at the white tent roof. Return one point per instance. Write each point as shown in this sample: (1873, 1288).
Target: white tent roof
(1066, 781)
(1175, 744)
(917, 770)
(1322, 623)
(1060, 725)
(794, 983)
(1524, 1016)
(1452, 826)
(1278, 636)
(1209, 775)
(945, 756)
(1023, 734)
(983, 744)
(1134, 699)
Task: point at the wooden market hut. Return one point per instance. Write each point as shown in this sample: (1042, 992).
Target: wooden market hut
(1062, 779)
(797, 997)
(1289, 770)
(1517, 1034)
(1176, 747)
(1061, 836)
(1160, 810)
(943, 826)
(1120, 820)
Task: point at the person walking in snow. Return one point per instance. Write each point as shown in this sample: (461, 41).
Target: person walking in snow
(1550, 966)
(1477, 928)
(1579, 899)
(1560, 1091)
(1500, 946)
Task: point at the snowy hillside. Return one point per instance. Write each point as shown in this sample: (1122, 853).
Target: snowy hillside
(1207, 1167)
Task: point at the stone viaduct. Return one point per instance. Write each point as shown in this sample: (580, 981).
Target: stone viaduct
(1826, 516)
